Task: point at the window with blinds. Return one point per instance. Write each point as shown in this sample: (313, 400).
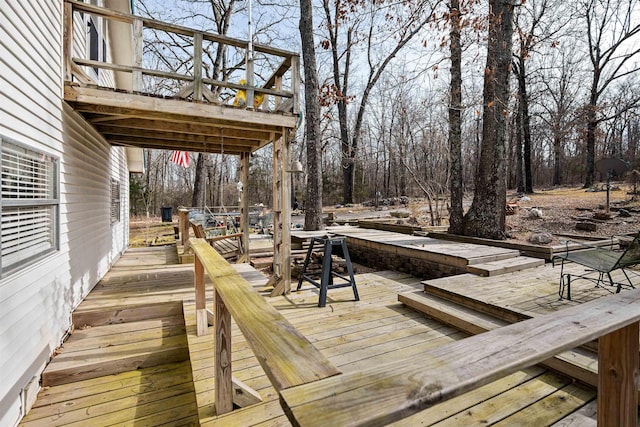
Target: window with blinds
(115, 201)
(29, 205)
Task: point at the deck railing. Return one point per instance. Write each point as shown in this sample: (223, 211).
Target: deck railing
(313, 394)
(286, 356)
(192, 59)
(384, 394)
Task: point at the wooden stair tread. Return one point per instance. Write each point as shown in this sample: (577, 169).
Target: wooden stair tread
(484, 259)
(123, 314)
(119, 339)
(114, 352)
(578, 363)
(108, 336)
(509, 265)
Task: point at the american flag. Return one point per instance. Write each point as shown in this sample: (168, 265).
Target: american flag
(180, 158)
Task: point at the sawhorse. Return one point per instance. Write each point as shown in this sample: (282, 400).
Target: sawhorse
(326, 280)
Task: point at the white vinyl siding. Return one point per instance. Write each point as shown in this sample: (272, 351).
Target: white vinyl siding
(36, 300)
(29, 205)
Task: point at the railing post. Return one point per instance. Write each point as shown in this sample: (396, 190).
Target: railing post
(223, 377)
(244, 204)
(295, 83)
(201, 308)
(138, 42)
(197, 66)
(183, 224)
(617, 378)
(249, 77)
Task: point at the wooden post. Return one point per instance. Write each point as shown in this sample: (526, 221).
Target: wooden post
(617, 378)
(285, 197)
(223, 377)
(183, 224)
(277, 100)
(201, 308)
(295, 83)
(281, 214)
(244, 204)
(250, 90)
(67, 45)
(197, 66)
(138, 42)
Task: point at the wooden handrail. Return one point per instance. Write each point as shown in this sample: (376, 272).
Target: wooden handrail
(387, 393)
(286, 356)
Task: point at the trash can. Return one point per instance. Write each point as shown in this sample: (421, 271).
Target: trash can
(166, 213)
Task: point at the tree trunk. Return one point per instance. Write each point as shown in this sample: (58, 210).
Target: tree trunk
(486, 217)
(519, 167)
(526, 132)
(557, 159)
(200, 184)
(455, 123)
(592, 125)
(313, 198)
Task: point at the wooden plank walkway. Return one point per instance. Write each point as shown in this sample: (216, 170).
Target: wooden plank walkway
(353, 335)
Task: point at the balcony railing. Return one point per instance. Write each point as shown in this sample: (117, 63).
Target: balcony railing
(193, 58)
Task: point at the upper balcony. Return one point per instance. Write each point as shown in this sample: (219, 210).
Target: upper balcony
(139, 100)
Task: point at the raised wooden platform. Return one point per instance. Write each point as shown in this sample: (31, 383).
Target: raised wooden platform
(426, 255)
(353, 335)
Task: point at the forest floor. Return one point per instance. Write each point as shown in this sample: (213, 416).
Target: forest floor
(555, 211)
(559, 211)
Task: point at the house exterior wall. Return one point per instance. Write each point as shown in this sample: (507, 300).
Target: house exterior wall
(36, 301)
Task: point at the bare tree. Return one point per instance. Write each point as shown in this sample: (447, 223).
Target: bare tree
(313, 199)
(613, 31)
(486, 216)
(559, 105)
(403, 21)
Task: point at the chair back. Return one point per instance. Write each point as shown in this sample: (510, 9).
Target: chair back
(631, 255)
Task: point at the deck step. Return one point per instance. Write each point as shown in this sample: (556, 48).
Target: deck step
(438, 287)
(125, 314)
(113, 348)
(495, 268)
(486, 259)
(580, 364)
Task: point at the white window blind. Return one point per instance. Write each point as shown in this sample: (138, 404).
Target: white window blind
(29, 205)
(115, 201)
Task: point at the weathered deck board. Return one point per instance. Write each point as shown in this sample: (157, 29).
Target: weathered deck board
(521, 294)
(456, 254)
(353, 335)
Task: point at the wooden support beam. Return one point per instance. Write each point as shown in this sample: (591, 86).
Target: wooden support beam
(281, 215)
(183, 224)
(201, 308)
(250, 92)
(618, 378)
(106, 101)
(243, 395)
(244, 204)
(222, 325)
(138, 47)
(197, 66)
(295, 84)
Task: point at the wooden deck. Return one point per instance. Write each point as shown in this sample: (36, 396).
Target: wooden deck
(353, 335)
